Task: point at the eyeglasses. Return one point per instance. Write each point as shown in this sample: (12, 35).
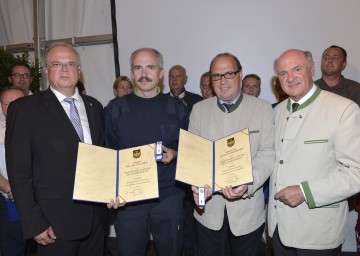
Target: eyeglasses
(331, 58)
(227, 75)
(69, 65)
(140, 69)
(23, 76)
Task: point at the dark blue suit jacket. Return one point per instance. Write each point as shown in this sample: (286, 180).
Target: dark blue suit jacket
(41, 152)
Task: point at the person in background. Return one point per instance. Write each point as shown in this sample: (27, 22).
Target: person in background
(122, 86)
(142, 117)
(251, 85)
(206, 88)
(177, 81)
(20, 75)
(236, 213)
(333, 62)
(280, 94)
(317, 162)
(81, 88)
(45, 130)
(11, 236)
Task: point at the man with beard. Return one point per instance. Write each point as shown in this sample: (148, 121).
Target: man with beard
(142, 117)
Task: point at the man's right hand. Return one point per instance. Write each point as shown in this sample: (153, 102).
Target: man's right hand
(46, 237)
(115, 204)
(195, 190)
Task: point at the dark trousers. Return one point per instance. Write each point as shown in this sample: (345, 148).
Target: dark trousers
(282, 250)
(92, 245)
(12, 242)
(212, 242)
(162, 218)
(189, 224)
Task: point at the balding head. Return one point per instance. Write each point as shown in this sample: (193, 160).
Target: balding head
(295, 70)
(177, 79)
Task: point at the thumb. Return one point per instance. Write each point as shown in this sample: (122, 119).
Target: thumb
(51, 233)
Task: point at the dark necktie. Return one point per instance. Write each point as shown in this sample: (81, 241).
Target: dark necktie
(75, 118)
(227, 106)
(295, 107)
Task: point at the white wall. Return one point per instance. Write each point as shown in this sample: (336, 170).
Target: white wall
(191, 33)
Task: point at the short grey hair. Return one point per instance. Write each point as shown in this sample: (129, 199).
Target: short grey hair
(62, 44)
(159, 56)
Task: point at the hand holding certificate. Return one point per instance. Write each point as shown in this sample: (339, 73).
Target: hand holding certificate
(220, 164)
(103, 174)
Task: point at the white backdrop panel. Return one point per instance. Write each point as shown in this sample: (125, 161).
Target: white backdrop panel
(16, 22)
(98, 73)
(69, 18)
(191, 33)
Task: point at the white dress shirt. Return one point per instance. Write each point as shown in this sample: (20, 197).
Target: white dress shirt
(79, 103)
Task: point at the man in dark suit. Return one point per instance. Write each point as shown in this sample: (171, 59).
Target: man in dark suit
(177, 81)
(41, 151)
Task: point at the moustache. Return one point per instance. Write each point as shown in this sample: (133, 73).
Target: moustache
(145, 79)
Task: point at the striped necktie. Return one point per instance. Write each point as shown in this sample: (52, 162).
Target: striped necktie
(75, 118)
(228, 106)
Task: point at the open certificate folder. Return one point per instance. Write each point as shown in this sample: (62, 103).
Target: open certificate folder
(103, 174)
(218, 164)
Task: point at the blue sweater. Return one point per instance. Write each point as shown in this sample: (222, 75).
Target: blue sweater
(132, 121)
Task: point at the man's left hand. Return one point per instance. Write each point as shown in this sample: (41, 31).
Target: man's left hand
(291, 196)
(234, 193)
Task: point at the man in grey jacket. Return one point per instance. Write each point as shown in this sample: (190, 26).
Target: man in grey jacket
(237, 213)
(317, 163)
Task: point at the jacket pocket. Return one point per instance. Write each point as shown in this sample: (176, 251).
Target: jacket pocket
(315, 141)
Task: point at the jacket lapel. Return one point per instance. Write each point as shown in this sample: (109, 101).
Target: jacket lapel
(89, 106)
(53, 105)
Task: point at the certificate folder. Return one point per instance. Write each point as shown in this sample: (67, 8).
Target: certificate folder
(220, 163)
(103, 174)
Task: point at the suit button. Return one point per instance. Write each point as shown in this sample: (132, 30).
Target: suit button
(275, 206)
(287, 118)
(281, 161)
(282, 140)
